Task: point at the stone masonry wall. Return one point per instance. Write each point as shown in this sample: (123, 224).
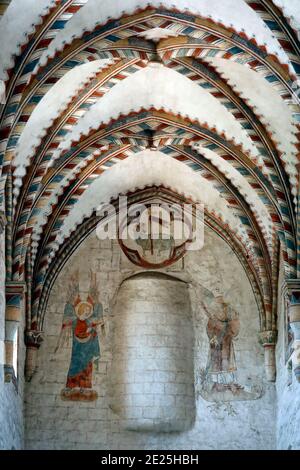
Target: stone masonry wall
(288, 389)
(152, 375)
(11, 398)
(53, 423)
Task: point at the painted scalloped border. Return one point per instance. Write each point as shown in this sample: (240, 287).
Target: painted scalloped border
(77, 169)
(268, 127)
(138, 10)
(88, 214)
(294, 24)
(19, 181)
(9, 64)
(104, 124)
(55, 197)
(267, 233)
(81, 85)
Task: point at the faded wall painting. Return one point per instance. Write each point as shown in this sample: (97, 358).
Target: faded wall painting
(220, 421)
(82, 324)
(219, 380)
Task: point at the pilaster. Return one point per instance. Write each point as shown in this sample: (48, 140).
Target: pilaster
(14, 292)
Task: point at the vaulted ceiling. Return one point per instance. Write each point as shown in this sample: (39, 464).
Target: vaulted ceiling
(105, 97)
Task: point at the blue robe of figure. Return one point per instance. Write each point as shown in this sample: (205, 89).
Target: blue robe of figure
(85, 343)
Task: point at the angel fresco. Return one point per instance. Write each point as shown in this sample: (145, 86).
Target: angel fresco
(82, 322)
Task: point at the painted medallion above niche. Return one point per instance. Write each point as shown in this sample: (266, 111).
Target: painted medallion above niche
(156, 227)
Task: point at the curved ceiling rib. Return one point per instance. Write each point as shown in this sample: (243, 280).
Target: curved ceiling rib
(255, 247)
(28, 92)
(211, 139)
(88, 86)
(68, 248)
(63, 134)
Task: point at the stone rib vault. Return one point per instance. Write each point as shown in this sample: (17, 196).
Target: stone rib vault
(104, 97)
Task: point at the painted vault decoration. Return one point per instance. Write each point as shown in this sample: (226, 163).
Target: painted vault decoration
(82, 322)
(156, 245)
(229, 140)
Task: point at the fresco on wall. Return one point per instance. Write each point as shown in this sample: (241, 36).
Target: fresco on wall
(156, 246)
(82, 324)
(219, 380)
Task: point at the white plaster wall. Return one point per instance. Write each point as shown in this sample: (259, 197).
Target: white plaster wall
(11, 398)
(288, 389)
(55, 424)
(2, 297)
(11, 412)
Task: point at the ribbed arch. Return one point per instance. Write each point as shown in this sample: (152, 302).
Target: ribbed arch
(75, 110)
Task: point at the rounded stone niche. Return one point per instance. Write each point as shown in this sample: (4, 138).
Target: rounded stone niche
(152, 377)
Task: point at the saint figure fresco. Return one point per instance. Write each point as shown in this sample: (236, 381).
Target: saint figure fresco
(222, 328)
(82, 322)
(220, 378)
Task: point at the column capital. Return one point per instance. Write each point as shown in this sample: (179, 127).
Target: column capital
(34, 338)
(268, 337)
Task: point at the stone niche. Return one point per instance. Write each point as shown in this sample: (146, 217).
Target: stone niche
(152, 376)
